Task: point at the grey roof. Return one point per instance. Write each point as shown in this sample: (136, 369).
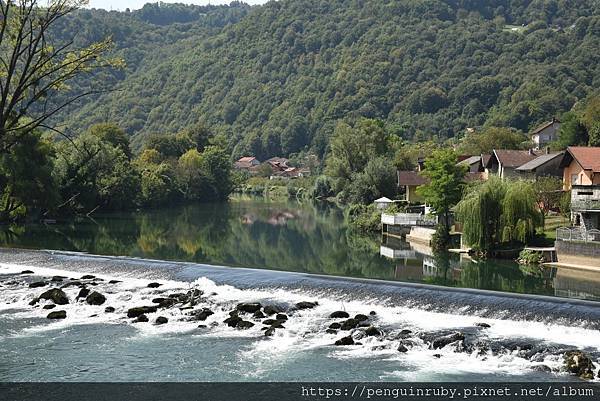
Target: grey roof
(471, 160)
(539, 161)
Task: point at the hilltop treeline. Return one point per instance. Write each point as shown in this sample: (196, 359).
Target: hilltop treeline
(276, 78)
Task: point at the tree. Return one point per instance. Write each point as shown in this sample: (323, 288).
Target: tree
(572, 131)
(548, 192)
(492, 138)
(111, 133)
(594, 135)
(444, 189)
(35, 68)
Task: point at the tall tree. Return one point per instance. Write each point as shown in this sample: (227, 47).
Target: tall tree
(445, 186)
(34, 67)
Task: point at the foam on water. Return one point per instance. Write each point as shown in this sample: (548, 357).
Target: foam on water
(304, 331)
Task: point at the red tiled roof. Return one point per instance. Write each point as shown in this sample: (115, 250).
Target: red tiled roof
(411, 178)
(246, 159)
(514, 158)
(587, 157)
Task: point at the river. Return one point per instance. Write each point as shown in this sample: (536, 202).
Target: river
(516, 322)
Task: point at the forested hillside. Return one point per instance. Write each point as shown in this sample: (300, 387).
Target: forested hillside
(276, 78)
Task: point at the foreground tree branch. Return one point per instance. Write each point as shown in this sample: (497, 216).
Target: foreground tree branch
(33, 69)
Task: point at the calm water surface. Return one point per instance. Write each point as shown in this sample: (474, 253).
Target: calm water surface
(289, 236)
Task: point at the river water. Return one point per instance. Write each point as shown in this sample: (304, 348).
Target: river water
(274, 246)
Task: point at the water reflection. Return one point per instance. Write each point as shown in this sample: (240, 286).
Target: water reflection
(292, 237)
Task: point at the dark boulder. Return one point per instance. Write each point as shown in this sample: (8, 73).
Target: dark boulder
(372, 313)
(232, 321)
(27, 272)
(114, 281)
(154, 285)
(59, 314)
(483, 325)
(140, 310)
(270, 332)
(72, 284)
(345, 341)
(244, 325)
(272, 309)
(339, 315)
(580, 364)
(142, 318)
(34, 301)
(441, 342)
(372, 331)
(87, 277)
(51, 306)
(249, 307)
(95, 298)
(57, 278)
(402, 348)
(161, 320)
(331, 331)
(109, 309)
(437, 355)
(349, 324)
(335, 326)
(56, 295)
(542, 368)
(405, 332)
(258, 315)
(361, 318)
(306, 305)
(201, 314)
(84, 292)
(165, 302)
(38, 284)
(281, 316)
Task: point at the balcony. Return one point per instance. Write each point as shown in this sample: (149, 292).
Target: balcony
(585, 198)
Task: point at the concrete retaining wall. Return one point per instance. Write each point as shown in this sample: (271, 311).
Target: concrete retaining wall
(578, 253)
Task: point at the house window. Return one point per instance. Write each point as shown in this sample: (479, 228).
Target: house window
(574, 179)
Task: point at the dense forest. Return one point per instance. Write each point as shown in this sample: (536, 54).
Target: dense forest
(276, 79)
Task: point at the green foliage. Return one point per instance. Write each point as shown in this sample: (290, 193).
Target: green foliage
(548, 193)
(572, 132)
(364, 218)
(278, 79)
(322, 188)
(492, 138)
(497, 212)
(529, 257)
(26, 182)
(594, 135)
(444, 189)
(565, 204)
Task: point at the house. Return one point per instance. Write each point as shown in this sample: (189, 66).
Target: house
(581, 166)
(278, 163)
(548, 165)
(247, 163)
(504, 163)
(545, 133)
(383, 203)
(408, 181)
(474, 163)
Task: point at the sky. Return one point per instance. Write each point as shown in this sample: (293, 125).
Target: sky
(135, 4)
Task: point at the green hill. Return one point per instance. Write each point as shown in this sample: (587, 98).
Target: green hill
(276, 78)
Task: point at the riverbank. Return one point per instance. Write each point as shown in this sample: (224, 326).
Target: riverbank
(393, 331)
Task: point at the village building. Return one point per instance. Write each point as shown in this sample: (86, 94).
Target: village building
(504, 163)
(545, 133)
(548, 165)
(474, 163)
(408, 182)
(248, 163)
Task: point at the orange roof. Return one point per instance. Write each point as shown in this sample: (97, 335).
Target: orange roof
(246, 159)
(587, 157)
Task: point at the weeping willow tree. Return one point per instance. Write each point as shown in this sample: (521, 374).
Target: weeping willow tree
(497, 212)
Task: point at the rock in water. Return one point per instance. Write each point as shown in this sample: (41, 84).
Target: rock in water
(87, 277)
(95, 298)
(281, 316)
(165, 302)
(345, 341)
(339, 315)
(258, 315)
(59, 314)
(51, 306)
(142, 318)
(272, 309)
(331, 331)
(306, 305)
(140, 310)
(441, 342)
(201, 315)
(114, 281)
(580, 364)
(232, 321)
(56, 295)
(109, 309)
(335, 326)
(244, 325)
(349, 324)
(402, 348)
(483, 325)
(154, 285)
(269, 332)
(84, 292)
(249, 307)
(372, 331)
(161, 320)
(361, 318)
(37, 284)
(27, 272)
